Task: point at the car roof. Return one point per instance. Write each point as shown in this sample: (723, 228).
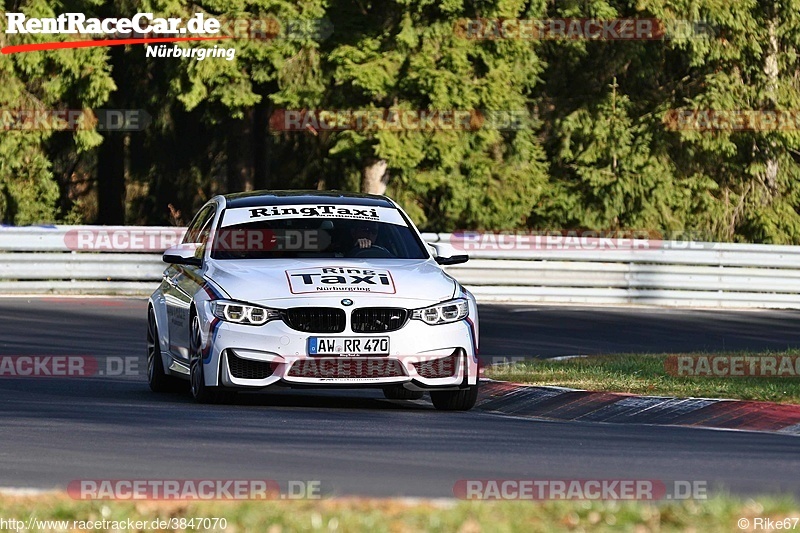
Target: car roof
(263, 198)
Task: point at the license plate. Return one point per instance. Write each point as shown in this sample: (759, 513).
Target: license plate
(348, 345)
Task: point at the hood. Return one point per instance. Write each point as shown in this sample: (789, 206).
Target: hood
(419, 281)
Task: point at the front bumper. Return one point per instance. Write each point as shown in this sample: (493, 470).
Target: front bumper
(422, 357)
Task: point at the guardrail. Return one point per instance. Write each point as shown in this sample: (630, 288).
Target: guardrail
(126, 260)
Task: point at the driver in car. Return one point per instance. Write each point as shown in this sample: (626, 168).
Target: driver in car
(364, 235)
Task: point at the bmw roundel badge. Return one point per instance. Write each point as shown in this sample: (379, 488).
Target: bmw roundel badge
(347, 301)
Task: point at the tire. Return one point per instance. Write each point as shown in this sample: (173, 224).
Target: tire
(157, 378)
(398, 392)
(201, 392)
(460, 400)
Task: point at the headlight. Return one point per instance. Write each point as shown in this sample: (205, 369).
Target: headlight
(443, 313)
(240, 313)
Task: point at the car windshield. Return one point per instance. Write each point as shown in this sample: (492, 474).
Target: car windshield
(275, 234)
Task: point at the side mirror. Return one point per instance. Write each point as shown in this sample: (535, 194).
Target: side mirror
(182, 254)
(446, 254)
(453, 259)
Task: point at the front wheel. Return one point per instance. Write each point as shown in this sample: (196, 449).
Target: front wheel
(459, 400)
(201, 392)
(157, 378)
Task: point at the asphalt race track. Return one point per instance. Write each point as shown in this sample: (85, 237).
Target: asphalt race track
(103, 326)
(55, 430)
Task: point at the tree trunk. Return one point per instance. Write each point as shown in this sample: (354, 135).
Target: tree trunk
(111, 180)
(241, 161)
(374, 177)
(261, 145)
(771, 70)
(111, 154)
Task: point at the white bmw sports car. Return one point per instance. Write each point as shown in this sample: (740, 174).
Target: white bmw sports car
(311, 289)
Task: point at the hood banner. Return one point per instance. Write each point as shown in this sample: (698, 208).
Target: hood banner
(340, 279)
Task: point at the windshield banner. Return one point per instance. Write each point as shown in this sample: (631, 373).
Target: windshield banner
(244, 215)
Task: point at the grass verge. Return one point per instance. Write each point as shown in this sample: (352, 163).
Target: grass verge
(720, 513)
(647, 374)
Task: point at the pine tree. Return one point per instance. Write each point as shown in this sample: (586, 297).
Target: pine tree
(407, 56)
(44, 81)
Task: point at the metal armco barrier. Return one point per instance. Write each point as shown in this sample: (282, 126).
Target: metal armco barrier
(127, 260)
